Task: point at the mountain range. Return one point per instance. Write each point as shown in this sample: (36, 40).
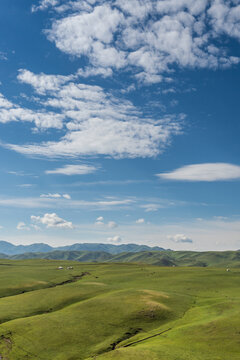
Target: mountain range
(10, 249)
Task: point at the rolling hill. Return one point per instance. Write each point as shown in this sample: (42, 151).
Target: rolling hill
(112, 311)
(159, 258)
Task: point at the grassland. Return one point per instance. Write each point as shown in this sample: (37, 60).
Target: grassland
(117, 311)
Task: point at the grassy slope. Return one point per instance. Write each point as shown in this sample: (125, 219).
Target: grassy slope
(118, 304)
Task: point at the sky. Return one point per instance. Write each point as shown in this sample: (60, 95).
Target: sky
(119, 122)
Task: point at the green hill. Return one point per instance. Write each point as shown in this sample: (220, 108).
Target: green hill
(112, 311)
(159, 258)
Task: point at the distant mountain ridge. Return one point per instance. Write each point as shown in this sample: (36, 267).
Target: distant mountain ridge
(10, 249)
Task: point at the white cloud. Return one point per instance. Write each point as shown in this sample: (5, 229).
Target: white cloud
(73, 170)
(44, 4)
(149, 37)
(22, 226)
(89, 33)
(43, 119)
(49, 202)
(52, 221)
(140, 221)
(151, 207)
(93, 122)
(117, 139)
(180, 238)
(56, 196)
(43, 83)
(66, 196)
(115, 239)
(95, 71)
(204, 172)
(112, 225)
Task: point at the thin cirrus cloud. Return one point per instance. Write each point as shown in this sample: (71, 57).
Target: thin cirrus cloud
(55, 196)
(204, 172)
(73, 170)
(55, 202)
(149, 37)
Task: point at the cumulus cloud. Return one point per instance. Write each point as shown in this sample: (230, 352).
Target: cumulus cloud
(204, 172)
(114, 239)
(52, 221)
(73, 170)
(149, 37)
(22, 226)
(140, 221)
(180, 238)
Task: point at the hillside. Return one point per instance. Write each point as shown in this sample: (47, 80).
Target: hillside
(159, 258)
(117, 311)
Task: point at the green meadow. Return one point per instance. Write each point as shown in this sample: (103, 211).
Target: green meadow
(118, 311)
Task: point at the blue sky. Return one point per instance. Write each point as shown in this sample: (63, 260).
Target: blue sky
(120, 122)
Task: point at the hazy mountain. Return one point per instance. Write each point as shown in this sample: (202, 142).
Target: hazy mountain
(10, 249)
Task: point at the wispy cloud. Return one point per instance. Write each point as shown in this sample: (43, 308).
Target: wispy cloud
(204, 172)
(44, 4)
(73, 170)
(22, 226)
(3, 56)
(46, 202)
(55, 196)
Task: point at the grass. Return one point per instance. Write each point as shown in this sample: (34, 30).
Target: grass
(117, 311)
